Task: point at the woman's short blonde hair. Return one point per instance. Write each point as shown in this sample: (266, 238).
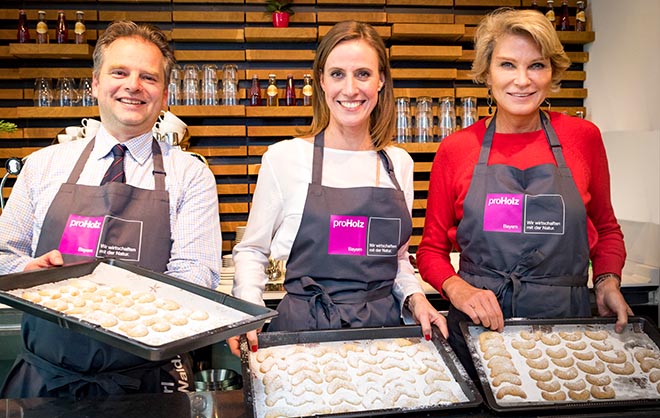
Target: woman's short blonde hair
(506, 21)
(381, 124)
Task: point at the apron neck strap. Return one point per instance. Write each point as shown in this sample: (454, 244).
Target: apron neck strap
(317, 162)
(157, 155)
(550, 136)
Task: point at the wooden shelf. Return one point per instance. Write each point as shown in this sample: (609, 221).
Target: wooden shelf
(425, 53)
(193, 111)
(269, 34)
(572, 37)
(414, 31)
(207, 35)
(278, 112)
(56, 112)
(40, 51)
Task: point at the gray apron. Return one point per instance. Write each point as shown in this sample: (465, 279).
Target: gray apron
(343, 261)
(58, 362)
(524, 236)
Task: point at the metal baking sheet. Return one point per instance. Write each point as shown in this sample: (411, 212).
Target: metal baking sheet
(258, 314)
(637, 389)
(458, 373)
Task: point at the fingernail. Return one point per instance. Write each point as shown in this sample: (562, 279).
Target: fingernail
(427, 336)
(254, 348)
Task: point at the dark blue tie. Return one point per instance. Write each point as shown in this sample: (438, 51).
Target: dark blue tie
(116, 170)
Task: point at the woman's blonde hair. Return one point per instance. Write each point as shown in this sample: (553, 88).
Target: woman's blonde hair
(381, 124)
(506, 21)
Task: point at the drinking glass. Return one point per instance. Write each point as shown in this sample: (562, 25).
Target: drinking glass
(66, 92)
(86, 96)
(190, 85)
(424, 119)
(403, 120)
(209, 84)
(174, 87)
(42, 94)
(446, 117)
(469, 107)
(229, 84)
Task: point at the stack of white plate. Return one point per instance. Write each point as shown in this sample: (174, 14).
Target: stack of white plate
(227, 272)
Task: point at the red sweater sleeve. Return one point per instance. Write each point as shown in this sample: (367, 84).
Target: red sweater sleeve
(452, 173)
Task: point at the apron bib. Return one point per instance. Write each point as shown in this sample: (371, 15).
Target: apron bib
(524, 236)
(86, 222)
(344, 259)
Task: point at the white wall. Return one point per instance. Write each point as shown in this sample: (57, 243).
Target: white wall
(624, 101)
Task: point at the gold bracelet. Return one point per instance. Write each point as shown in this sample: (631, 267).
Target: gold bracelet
(606, 276)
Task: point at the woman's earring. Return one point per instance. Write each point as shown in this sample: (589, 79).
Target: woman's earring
(489, 101)
(549, 104)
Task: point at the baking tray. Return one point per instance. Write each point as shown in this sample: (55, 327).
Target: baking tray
(458, 373)
(636, 332)
(258, 314)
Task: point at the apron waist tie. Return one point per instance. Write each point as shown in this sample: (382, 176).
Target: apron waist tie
(318, 297)
(114, 383)
(496, 279)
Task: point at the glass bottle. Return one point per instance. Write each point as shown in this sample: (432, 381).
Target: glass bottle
(307, 90)
(271, 91)
(61, 31)
(22, 34)
(564, 19)
(80, 29)
(534, 5)
(580, 18)
(42, 28)
(290, 96)
(550, 12)
(255, 91)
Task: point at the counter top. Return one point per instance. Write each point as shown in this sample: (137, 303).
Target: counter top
(228, 405)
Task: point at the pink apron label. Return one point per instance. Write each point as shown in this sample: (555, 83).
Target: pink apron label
(81, 235)
(503, 213)
(348, 235)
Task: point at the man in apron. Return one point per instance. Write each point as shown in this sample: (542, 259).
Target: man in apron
(115, 219)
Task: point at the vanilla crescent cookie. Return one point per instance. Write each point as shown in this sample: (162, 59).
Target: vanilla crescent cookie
(602, 345)
(654, 376)
(496, 350)
(597, 367)
(143, 297)
(531, 336)
(563, 362)
(581, 395)
(619, 357)
(531, 354)
(556, 353)
(523, 345)
(554, 396)
(576, 346)
(134, 329)
(511, 390)
(566, 374)
(576, 385)
(538, 375)
(167, 304)
(550, 339)
(570, 336)
(597, 335)
(551, 386)
(644, 353)
(602, 392)
(648, 364)
(540, 364)
(506, 378)
(583, 355)
(31, 296)
(625, 369)
(603, 380)
(498, 365)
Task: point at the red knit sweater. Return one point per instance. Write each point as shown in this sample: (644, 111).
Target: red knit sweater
(451, 174)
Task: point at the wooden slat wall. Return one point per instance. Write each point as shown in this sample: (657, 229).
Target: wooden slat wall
(429, 43)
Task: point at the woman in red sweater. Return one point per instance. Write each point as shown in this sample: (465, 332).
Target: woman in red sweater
(524, 195)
